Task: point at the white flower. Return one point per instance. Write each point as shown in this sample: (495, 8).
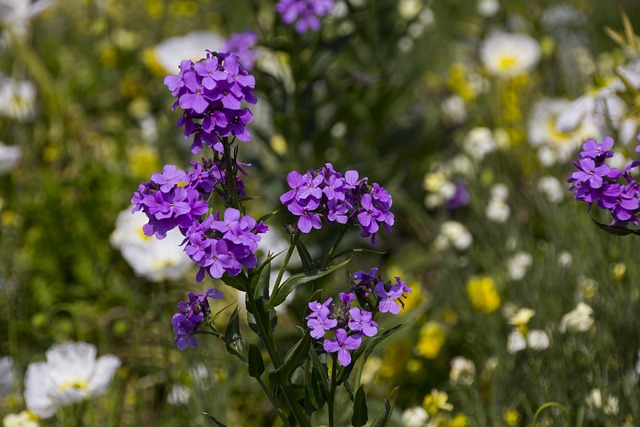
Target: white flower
(479, 142)
(15, 14)
(409, 9)
(178, 395)
(454, 234)
(538, 340)
(594, 399)
(487, 8)
(9, 157)
(152, 258)
(579, 319)
(439, 187)
(542, 132)
(565, 259)
(611, 406)
(17, 98)
(171, 52)
(453, 109)
(70, 375)
(516, 341)
(507, 55)
(521, 317)
(552, 189)
(518, 265)
(497, 209)
(7, 375)
(463, 371)
(415, 417)
(23, 419)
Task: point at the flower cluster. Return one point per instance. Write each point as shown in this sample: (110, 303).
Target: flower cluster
(305, 13)
(192, 314)
(608, 187)
(342, 199)
(241, 44)
(351, 324)
(210, 92)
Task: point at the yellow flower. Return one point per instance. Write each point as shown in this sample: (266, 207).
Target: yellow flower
(436, 401)
(483, 294)
(431, 340)
(460, 420)
(618, 271)
(511, 417)
(143, 161)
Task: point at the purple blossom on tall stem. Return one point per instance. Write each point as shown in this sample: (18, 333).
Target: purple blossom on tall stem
(304, 14)
(242, 44)
(191, 315)
(342, 344)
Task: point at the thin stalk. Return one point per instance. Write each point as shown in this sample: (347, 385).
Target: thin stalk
(551, 405)
(332, 391)
(231, 176)
(285, 263)
(335, 245)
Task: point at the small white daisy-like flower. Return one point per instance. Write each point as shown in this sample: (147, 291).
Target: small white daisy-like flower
(10, 155)
(479, 142)
(508, 55)
(542, 132)
(518, 265)
(487, 8)
(192, 46)
(415, 417)
(152, 258)
(23, 419)
(454, 110)
(521, 317)
(463, 371)
(552, 189)
(17, 98)
(178, 395)
(454, 234)
(580, 319)
(516, 341)
(538, 340)
(16, 14)
(70, 375)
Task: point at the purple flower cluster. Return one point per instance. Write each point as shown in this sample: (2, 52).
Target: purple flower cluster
(175, 198)
(352, 324)
(609, 188)
(210, 92)
(241, 45)
(305, 13)
(191, 314)
(342, 199)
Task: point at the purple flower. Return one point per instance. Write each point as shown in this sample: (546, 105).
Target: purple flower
(589, 173)
(320, 324)
(342, 344)
(388, 298)
(304, 13)
(318, 309)
(191, 315)
(241, 44)
(362, 321)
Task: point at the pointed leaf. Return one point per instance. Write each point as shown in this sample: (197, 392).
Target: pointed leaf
(305, 257)
(360, 415)
(294, 358)
(266, 216)
(256, 364)
(616, 230)
(383, 417)
(235, 282)
(232, 336)
(260, 283)
(215, 420)
(300, 279)
(351, 251)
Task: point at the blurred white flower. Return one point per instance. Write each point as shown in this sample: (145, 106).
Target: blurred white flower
(542, 132)
(507, 55)
(479, 142)
(453, 110)
(171, 52)
(409, 9)
(516, 341)
(538, 340)
(487, 8)
(518, 265)
(415, 417)
(70, 375)
(552, 189)
(440, 189)
(178, 395)
(15, 14)
(23, 419)
(594, 399)
(565, 259)
(579, 319)
(497, 209)
(9, 157)
(7, 375)
(521, 317)
(454, 234)
(17, 98)
(151, 258)
(463, 371)
(611, 406)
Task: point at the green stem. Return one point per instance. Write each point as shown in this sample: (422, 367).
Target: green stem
(551, 405)
(285, 263)
(333, 248)
(332, 391)
(231, 176)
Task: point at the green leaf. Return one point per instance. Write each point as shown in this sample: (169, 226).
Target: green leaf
(232, 336)
(256, 364)
(352, 251)
(360, 415)
(215, 420)
(236, 282)
(300, 279)
(260, 283)
(383, 417)
(321, 369)
(294, 358)
(319, 394)
(364, 351)
(615, 229)
(266, 216)
(305, 257)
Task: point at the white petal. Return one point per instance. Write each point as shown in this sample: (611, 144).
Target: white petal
(38, 390)
(105, 368)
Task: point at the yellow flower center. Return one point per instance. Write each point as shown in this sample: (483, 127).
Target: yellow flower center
(76, 384)
(507, 62)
